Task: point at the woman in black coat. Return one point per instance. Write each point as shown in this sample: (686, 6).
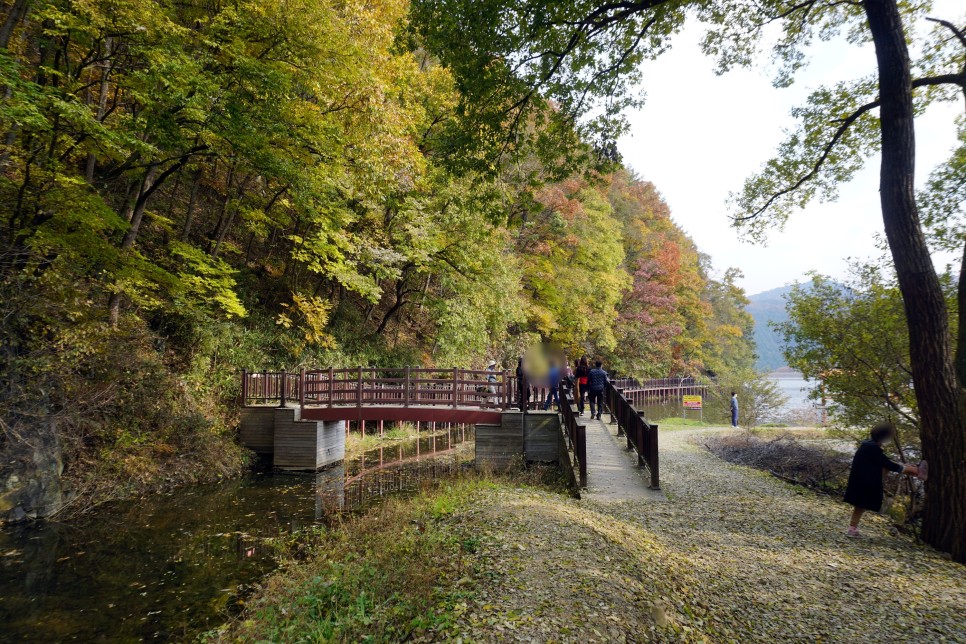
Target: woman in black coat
(864, 490)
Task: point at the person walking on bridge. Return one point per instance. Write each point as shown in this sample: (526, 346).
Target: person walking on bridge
(491, 381)
(596, 382)
(553, 380)
(580, 383)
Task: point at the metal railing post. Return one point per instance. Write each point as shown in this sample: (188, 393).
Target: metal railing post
(456, 384)
(406, 389)
(283, 386)
(653, 459)
(331, 386)
(302, 387)
(359, 388)
(611, 403)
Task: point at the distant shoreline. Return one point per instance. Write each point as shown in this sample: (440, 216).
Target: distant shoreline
(785, 373)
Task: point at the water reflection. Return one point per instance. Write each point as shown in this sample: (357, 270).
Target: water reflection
(169, 567)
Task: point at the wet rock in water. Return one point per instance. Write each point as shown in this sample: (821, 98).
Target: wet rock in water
(30, 485)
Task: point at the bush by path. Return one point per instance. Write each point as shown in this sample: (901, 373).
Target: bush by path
(814, 466)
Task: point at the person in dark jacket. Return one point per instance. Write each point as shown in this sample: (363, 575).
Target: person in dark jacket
(553, 381)
(864, 491)
(580, 383)
(596, 382)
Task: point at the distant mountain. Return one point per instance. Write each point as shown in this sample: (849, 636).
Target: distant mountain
(768, 307)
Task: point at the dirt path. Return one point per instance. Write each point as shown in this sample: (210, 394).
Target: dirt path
(731, 555)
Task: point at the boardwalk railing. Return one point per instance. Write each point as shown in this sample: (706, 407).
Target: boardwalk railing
(269, 387)
(658, 391)
(576, 432)
(374, 387)
(641, 435)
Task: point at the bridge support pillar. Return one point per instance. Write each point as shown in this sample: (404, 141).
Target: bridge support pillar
(293, 443)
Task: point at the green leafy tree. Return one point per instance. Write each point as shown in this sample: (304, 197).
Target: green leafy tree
(853, 339)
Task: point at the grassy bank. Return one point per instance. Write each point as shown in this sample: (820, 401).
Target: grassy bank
(401, 570)
(406, 569)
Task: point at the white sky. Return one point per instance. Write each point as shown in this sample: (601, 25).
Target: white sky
(699, 136)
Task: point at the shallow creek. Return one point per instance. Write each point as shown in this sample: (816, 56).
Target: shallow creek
(172, 566)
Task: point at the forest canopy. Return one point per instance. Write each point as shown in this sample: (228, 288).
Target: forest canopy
(190, 189)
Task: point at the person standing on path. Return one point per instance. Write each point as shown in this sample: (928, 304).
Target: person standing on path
(596, 382)
(491, 379)
(553, 380)
(734, 409)
(580, 383)
(864, 490)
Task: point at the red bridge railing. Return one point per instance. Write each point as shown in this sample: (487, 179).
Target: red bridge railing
(372, 386)
(268, 387)
(658, 391)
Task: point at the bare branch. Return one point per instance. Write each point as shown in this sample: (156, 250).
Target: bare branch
(960, 35)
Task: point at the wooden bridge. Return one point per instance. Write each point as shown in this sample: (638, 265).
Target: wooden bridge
(368, 393)
(300, 417)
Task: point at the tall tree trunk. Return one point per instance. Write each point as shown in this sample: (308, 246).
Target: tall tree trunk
(215, 236)
(961, 341)
(17, 12)
(140, 205)
(137, 214)
(105, 86)
(933, 373)
(190, 212)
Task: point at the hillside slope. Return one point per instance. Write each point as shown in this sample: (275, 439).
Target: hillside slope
(768, 307)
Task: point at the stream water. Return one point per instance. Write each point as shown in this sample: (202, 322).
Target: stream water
(172, 566)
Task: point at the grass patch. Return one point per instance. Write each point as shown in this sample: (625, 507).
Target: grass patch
(388, 575)
(677, 421)
(404, 569)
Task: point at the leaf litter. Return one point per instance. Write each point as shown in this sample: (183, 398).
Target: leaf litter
(732, 555)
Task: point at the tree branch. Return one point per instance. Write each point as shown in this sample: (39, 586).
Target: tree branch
(960, 35)
(845, 124)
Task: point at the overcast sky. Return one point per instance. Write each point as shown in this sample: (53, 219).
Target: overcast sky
(699, 136)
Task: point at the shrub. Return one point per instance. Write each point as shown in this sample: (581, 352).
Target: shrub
(788, 458)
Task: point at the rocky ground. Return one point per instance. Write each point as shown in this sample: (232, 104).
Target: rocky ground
(729, 555)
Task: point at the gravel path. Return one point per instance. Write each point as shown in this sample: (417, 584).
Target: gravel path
(731, 555)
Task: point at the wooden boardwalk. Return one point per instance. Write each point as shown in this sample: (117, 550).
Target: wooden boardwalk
(612, 470)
